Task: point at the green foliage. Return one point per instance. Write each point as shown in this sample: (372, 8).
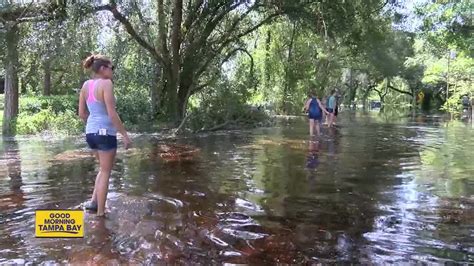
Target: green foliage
(47, 120)
(133, 106)
(224, 105)
(53, 112)
(32, 124)
(61, 44)
(66, 122)
(448, 24)
(441, 69)
(289, 65)
(135, 78)
(57, 104)
(354, 46)
(49, 113)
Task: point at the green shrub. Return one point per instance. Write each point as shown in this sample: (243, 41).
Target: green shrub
(224, 104)
(46, 120)
(59, 113)
(27, 124)
(134, 108)
(67, 123)
(57, 104)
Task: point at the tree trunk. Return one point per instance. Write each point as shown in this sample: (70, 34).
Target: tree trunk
(182, 102)
(185, 88)
(174, 81)
(11, 81)
(156, 90)
(382, 95)
(163, 75)
(47, 77)
(352, 89)
(364, 98)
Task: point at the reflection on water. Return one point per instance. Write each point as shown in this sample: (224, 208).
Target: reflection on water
(374, 190)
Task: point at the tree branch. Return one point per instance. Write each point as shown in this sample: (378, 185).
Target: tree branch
(176, 131)
(130, 30)
(191, 16)
(400, 91)
(190, 33)
(31, 13)
(142, 19)
(231, 53)
(162, 42)
(324, 23)
(15, 12)
(24, 11)
(230, 40)
(199, 46)
(258, 25)
(200, 87)
(228, 56)
(380, 8)
(35, 19)
(3, 20)
(214, 128)
(212, 24)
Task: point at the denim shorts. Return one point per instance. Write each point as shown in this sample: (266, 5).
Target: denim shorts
(315, 116)
(101, 143)
(330, 110)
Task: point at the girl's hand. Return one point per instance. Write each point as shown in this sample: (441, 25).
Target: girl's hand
(127, 141)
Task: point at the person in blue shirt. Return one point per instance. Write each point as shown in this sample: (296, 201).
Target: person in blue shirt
(331, 107)
(315, 110)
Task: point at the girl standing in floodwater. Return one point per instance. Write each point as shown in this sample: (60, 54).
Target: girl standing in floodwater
(97, 109)
(315, 113)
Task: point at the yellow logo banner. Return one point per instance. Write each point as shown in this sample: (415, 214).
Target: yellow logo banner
(59, 223)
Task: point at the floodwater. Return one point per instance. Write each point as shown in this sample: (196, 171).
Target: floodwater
(375, 190)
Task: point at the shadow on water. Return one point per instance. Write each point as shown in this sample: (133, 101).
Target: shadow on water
(373, 190)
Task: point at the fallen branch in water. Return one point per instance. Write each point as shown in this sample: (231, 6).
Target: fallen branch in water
(182, 124)
(243, 119)
(217, 127)
(220, 126)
